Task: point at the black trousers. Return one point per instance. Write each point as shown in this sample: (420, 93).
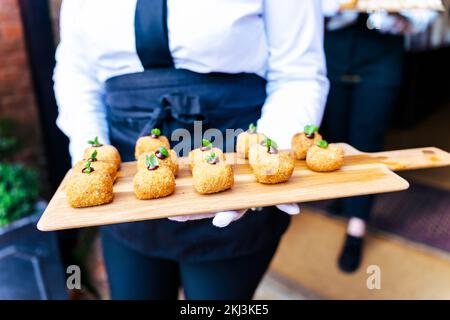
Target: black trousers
(358, 114)
(135, 276)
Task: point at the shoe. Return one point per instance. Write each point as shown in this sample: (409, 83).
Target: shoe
(351, 254)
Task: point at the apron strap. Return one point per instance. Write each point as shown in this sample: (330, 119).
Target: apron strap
(150, 25)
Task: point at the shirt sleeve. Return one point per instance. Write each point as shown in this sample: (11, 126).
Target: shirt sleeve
(297, 85)
(79, 95)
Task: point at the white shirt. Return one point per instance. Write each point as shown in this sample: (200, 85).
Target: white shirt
(280, 40)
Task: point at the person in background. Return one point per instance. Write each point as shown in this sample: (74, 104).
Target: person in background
(124, 67)
(364, 54)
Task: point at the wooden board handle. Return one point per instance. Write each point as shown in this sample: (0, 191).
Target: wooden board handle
(407, 159)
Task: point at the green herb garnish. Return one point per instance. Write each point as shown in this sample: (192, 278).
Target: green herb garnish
(270, 143)
(163, 151)
(155, 132)
(322, 144)
(210, 156)
(87, 167)
(310, 129)
(151, 161)
(252, 128)
(93, 156)
(206, 143)
(95, 142)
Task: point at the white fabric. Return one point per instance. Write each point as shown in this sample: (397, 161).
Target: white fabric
(280, 40)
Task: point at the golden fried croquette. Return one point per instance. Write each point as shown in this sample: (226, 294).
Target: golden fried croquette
(166, 158)
(105, 152)
(324, 157)
(270, 165)
(88, 187)
(213, 175)
(246, 139)
(155, 181)
(151, 143)
(302, 141)
(198, 155)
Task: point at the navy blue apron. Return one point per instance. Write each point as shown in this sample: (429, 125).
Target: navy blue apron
(169, 98)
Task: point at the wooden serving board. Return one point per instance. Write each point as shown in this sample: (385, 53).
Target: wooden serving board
(361, 174)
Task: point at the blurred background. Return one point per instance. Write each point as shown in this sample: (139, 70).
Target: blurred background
(409, 235)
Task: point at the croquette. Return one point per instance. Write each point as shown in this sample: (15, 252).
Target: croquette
(323, 157)
(88, 187)
(246, 139)
(198, 155)
(98, 165)
(105, 152)
(269, 164)
(166, 158)
(302, 141)
(151, 143)
(155, 181)
(212, 175)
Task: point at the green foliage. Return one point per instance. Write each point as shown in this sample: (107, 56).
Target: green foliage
(8, 143)
(18, 192)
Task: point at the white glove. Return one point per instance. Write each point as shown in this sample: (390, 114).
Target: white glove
(224, 218)
(404, 23)
(388, 23)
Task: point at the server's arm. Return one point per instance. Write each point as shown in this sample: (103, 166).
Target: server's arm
(297, 84)
(82, 113)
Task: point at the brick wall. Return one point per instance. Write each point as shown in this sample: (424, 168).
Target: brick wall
(17, 99)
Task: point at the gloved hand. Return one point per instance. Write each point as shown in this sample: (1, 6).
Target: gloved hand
(406, 22)
(224, 218)
(389, 23)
